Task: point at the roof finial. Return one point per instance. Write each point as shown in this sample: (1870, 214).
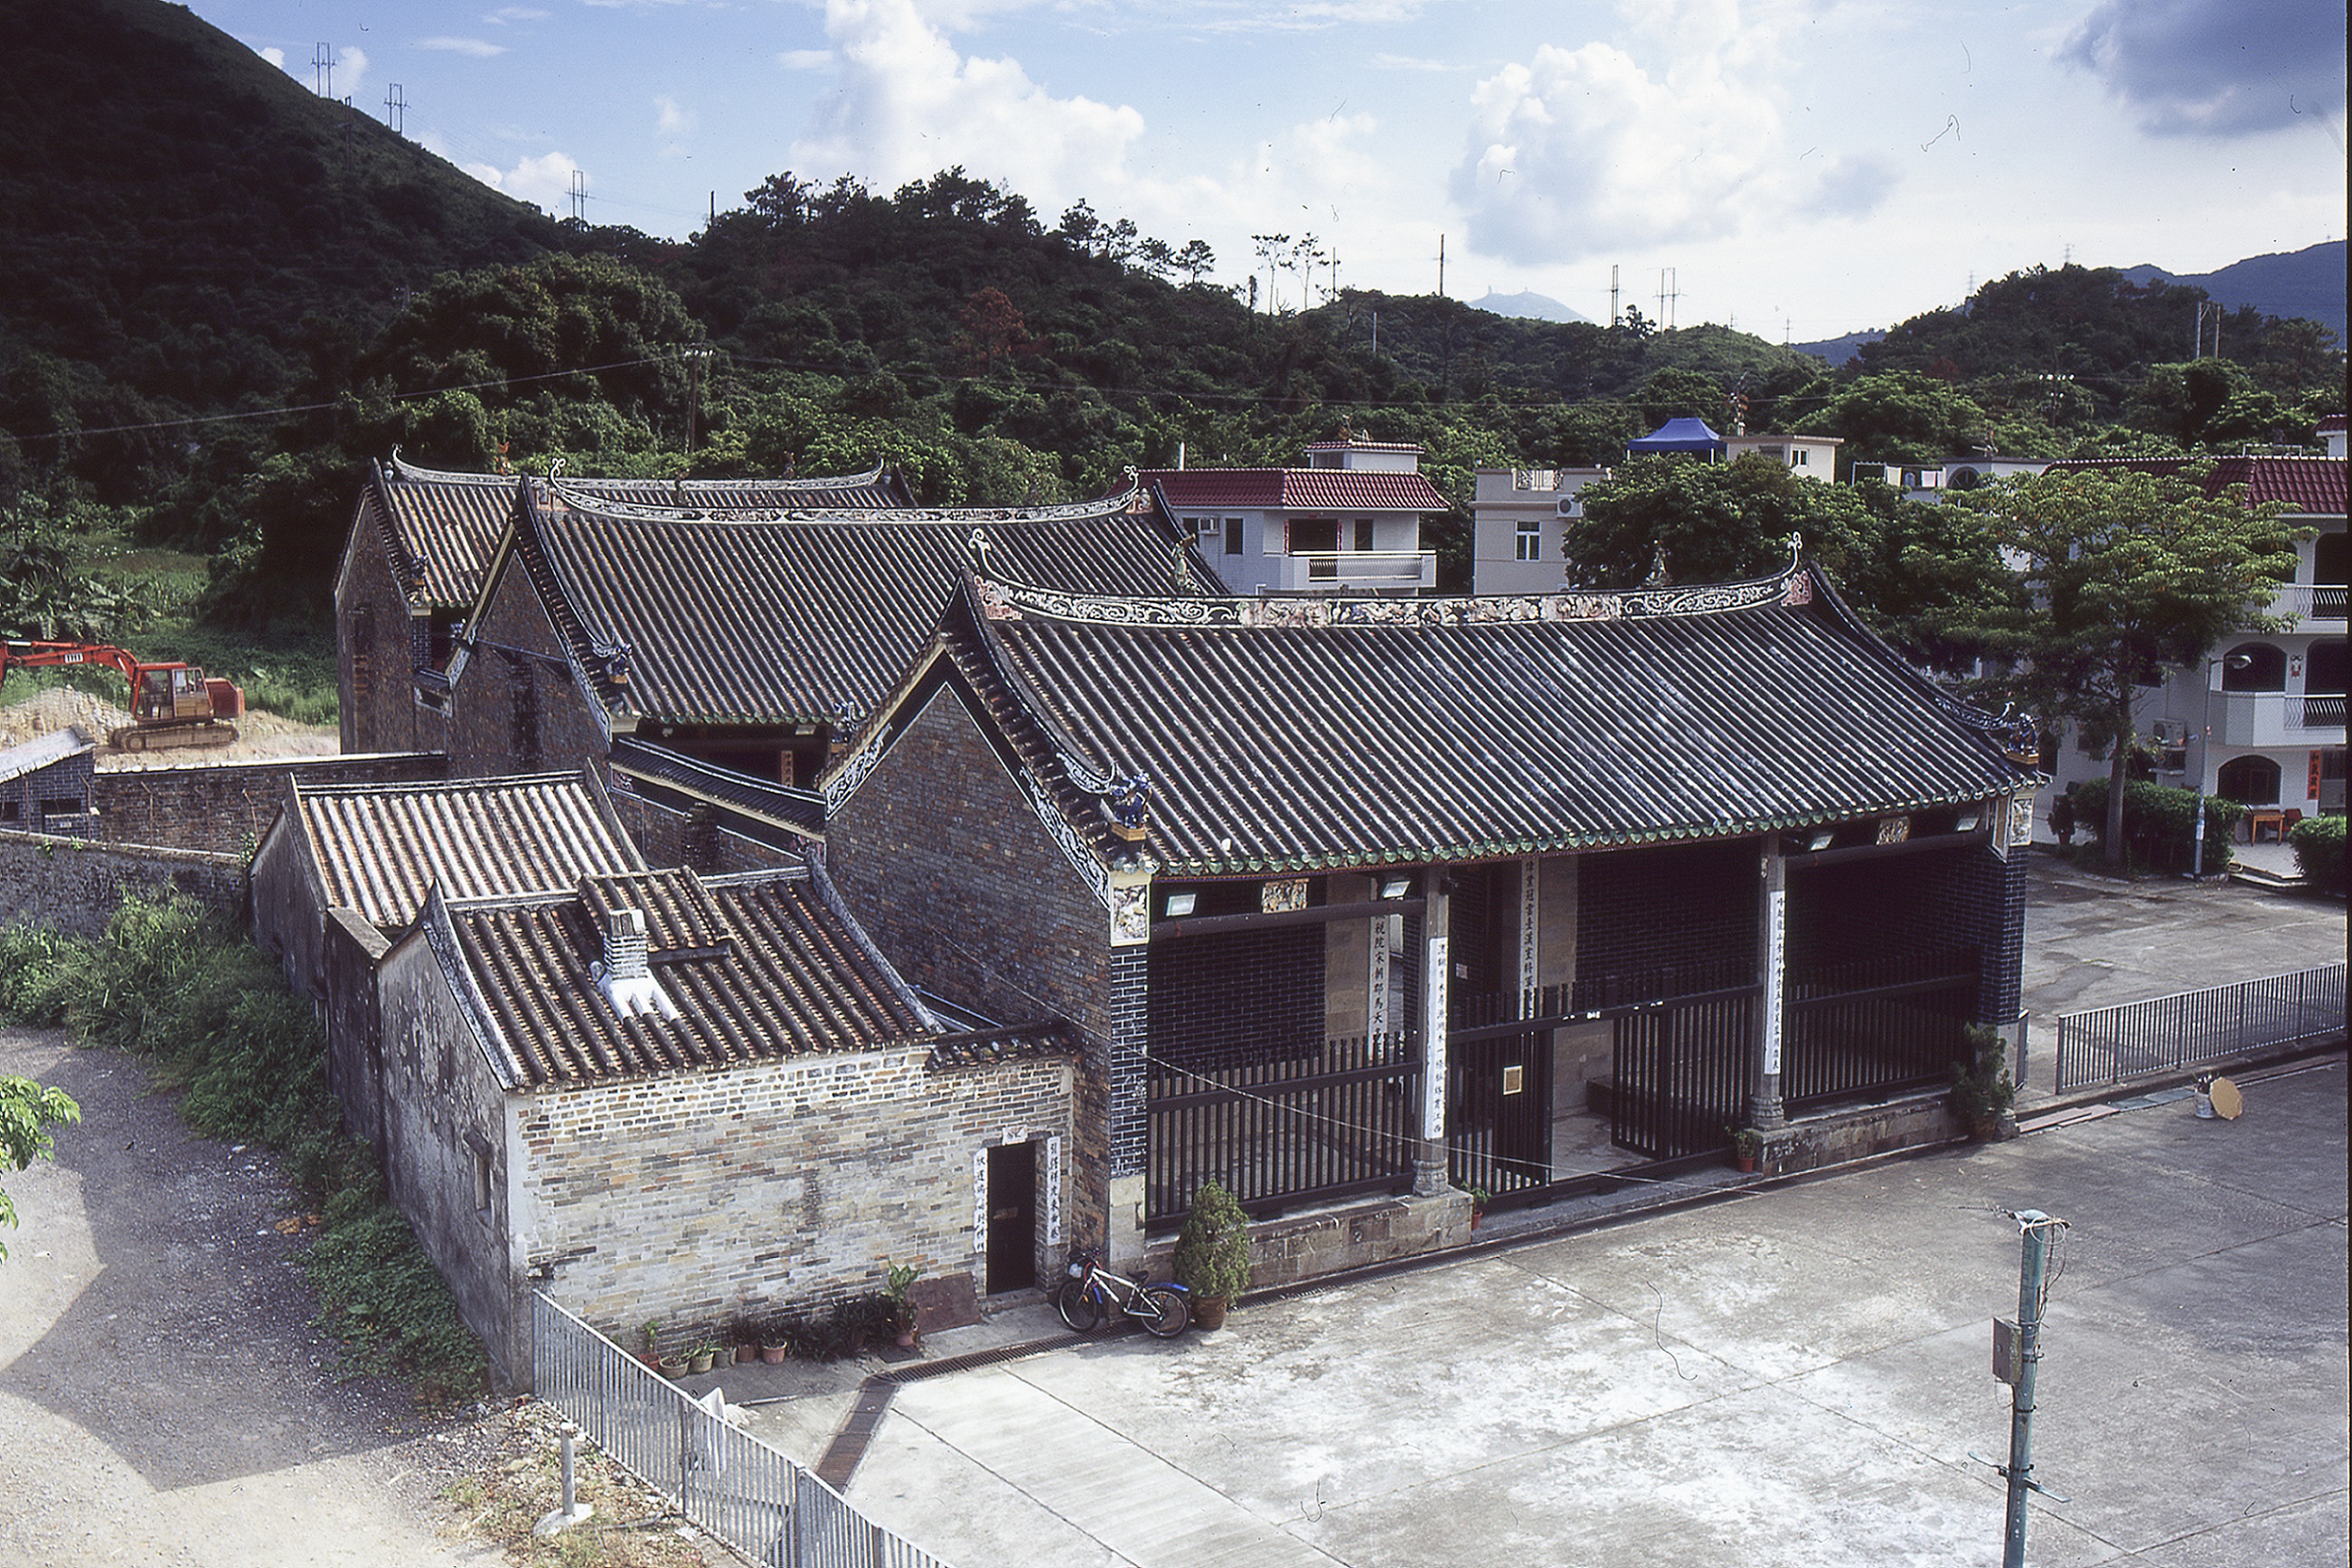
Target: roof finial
(981, 545)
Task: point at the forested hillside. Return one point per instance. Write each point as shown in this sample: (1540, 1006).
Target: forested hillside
(224, 292)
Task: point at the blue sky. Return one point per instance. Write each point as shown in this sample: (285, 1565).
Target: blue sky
(1805, 167)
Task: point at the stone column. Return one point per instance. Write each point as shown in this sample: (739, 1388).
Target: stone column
(1437, 971)
(1765, 1107)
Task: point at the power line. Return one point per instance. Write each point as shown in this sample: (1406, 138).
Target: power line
(315, 407)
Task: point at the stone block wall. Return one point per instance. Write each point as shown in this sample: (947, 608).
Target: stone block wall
(771, 1187)
(374, 643)
(75, 885)
(349, 950)
(1286, 1251)
(226, 807)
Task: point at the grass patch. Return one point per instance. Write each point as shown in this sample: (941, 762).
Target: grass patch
(197, 999)
(632, 1525)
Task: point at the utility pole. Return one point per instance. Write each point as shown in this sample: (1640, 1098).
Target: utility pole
(1615, 316)
(695, 358)
(395, 111)
(2017, 1358)
(580, 196)
(322, 70)
(1440, 267)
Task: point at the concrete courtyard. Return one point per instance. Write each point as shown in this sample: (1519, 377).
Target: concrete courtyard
(1793, 1376)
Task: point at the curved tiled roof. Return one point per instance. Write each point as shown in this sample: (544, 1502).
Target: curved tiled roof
(446, 526)
(1466, 729)
(1296, 489)
(381, 848)
(759, 967)
(788, 622)
(2313, 486)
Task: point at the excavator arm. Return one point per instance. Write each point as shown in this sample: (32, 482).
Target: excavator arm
(171, 704)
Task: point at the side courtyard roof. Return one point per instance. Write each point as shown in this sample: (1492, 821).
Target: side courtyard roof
(1295, 489)
(381, 848)
(806, 620)
(760, 966)
(1312, 734)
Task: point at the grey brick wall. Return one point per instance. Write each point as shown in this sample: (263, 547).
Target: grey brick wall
(226, 806)
(75, 885)
(516, 707)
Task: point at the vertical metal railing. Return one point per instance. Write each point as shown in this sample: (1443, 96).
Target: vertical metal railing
(727, 1481)
(2162, 1034)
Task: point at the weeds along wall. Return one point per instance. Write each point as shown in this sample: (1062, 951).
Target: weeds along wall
(75, 885)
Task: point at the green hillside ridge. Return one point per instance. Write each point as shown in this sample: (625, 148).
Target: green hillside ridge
(190, 235)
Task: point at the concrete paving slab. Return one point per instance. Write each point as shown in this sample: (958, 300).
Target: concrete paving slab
(1795, 1375)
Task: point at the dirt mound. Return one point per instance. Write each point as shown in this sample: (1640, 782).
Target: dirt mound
(259, 734)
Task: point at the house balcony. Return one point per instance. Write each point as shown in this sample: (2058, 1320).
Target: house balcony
(1356, 571)
(2316, 607)
(2278, 718)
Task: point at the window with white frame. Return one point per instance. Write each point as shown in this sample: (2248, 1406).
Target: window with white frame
(1529, 538)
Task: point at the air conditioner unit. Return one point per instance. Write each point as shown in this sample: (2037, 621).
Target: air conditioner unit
(1570, 507)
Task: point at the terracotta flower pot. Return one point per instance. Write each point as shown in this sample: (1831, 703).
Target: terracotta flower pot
(1209, 1312)
(746, 1352)
(702, 1360)
(672, 1366)
(773, 1354)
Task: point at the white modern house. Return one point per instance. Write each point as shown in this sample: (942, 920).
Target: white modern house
(1348, 522)
(1518, 518)
(2261, 721)
(1806, 456)
(1928, 481)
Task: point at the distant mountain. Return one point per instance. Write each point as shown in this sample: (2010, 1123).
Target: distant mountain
(1838, 351)
(2309, 283)
(1526, 306)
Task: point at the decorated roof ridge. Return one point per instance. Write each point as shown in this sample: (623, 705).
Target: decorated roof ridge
(403, 469)
(996, 598)
(600, 662)
(1081, 772)
(1119, 500)
(987, 1047)
(2015, 733)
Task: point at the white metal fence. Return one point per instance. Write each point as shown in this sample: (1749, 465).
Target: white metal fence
(749, 1495)
(2166, 1033)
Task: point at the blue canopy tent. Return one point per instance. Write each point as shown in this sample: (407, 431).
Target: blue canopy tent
(1689, 436)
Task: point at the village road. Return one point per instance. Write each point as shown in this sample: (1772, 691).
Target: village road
(1795, 1377)
(162, 1399)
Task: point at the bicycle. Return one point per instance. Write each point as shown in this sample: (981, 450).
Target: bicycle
(1090, 1291)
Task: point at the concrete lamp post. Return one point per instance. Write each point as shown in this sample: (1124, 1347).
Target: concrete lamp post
(2204, 751)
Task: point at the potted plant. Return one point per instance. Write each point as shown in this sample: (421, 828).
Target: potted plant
(1479, 1198)
(1212, 1253)
(700, 1357)
(775, 1341)
(1982, 1091)
(743, 1333)
(650, 1335)
(898, 1292)
(1747, 1143)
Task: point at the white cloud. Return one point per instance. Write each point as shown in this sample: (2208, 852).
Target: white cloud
(350, 68)
(805, 59)
(1409, 63)
(910, 104)
(275, 56)
(505, 14)
(544, 181)
(478, 48)
(672, 125)
(1583, 149)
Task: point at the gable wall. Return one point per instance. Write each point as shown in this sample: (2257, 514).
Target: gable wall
(943, 861)
(516, 708)
(374, 653)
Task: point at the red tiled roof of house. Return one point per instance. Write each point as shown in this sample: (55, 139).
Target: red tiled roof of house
(2332, 425)
(2312, 486)
(1295, 489)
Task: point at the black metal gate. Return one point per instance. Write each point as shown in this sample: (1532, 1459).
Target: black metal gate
(1498, 1111)
(1681, 1072)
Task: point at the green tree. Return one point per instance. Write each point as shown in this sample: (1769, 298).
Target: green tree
(27, 1112)
(1706, 522)
(1900, 417)
(2125, 573)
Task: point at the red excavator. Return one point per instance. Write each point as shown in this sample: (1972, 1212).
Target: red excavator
(172, 704)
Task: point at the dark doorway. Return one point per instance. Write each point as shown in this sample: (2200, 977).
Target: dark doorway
(1012, 1217)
